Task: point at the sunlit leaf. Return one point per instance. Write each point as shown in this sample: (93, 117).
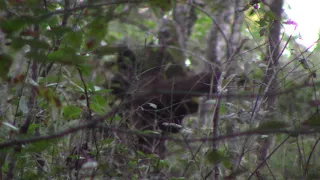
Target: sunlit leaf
(104, 91)
(23, 105)
(149, 132)
(154, 106)
(10, 126)
(32, 82)
(99, 104)
(90, 164)
(52, 6)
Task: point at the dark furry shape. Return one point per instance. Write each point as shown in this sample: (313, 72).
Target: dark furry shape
(164, 103)
(159, 104)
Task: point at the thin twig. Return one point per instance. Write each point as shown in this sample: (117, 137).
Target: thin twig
(261, 164)
(85, 93)
(309, 158)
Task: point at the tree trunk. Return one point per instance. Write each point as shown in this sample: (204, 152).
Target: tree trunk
(270, 79)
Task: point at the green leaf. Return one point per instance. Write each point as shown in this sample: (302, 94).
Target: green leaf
(100, 100)
(103, 91)
(106, 50)
(74, 39)
(3, 5)
(262, 22)
(63, 57)
(108, 141)
(98, 28)
(140, 153)
(37, 56)
(99, 105)
(215, 156)
(86, 69)
(132, 163)
(53, 6)
(49, 95)
(38, 146)
(164, 5)
(18, 43)
(177, 178)
(16, 24)
(149, 132)
(227, 163)
(59, 31)
(53, 22)
(313, 121)
(117, 118)
(270, 16)
(12, 25)
(5, 64)
(71, 112)
(273, 124)
(90, 87)
(32, 128)
(159, 164)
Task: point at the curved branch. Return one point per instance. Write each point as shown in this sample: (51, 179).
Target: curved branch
(93, 123)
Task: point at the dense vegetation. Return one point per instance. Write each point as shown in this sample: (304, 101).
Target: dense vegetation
(155, 89)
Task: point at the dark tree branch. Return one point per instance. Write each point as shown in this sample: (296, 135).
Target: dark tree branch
(93, 5)
(309, 158)
(91, 124)
(95, 122)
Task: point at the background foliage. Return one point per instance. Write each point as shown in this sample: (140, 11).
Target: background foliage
(61, 118)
